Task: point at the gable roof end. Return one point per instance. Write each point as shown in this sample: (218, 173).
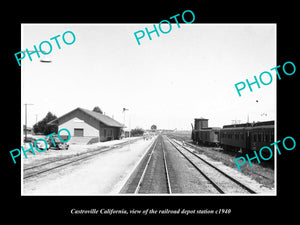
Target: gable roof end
(98, 116)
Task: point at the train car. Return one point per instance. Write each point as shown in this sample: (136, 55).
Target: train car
(262, 134)
(209, 136)
(247, 137)
(242, 138)
(202, 134)
(235, 138)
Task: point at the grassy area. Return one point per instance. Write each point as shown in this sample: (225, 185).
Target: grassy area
(184, 135)
(260, 173)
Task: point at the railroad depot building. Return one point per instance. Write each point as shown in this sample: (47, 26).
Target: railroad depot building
(86, 123)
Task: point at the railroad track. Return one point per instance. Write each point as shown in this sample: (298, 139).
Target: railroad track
(187, 142)
(43, 168)
(149, 173)
(153, 175)
(220, 180)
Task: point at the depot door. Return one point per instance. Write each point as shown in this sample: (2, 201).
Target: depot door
(78, 132)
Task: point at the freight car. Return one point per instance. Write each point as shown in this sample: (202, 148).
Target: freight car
(202, 134)
(208, 136)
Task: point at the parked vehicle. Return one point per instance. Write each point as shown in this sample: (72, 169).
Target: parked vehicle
(58, 144)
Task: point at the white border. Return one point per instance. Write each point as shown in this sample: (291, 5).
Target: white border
(141, 24)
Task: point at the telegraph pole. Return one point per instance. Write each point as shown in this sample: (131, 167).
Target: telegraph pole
(124, 109)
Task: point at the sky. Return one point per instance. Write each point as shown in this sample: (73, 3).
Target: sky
(167, 81)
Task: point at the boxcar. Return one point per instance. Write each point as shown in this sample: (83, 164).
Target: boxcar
(208, 136)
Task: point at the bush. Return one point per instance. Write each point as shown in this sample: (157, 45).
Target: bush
(136, 132)
(153, 127)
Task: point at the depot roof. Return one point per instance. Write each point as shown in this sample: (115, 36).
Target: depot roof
(96, 115)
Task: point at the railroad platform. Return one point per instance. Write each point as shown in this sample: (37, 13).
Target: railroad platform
(74, 149)
(98, 170)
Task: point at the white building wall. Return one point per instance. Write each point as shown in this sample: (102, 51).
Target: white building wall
(77, 123)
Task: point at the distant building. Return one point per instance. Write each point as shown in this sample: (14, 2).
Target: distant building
(86, 123)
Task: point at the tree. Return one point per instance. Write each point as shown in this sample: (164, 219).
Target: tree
(44, 128)
(154, 127)
(97, 109)
(136, 132)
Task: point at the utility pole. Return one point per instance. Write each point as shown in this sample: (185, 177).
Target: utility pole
(26, 120)
(46, 60)
(124, 109)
